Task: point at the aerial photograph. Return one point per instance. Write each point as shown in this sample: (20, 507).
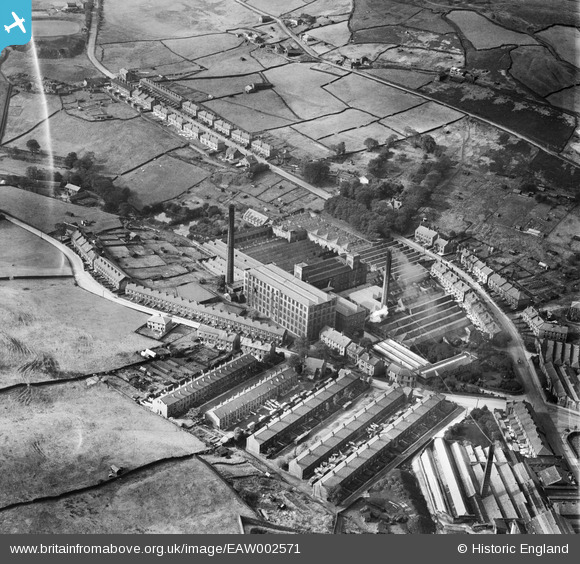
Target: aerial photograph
(290, 266)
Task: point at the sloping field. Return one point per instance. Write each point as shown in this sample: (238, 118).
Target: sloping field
(336, 34)
(429, 21)
(483, 34)
(421, 59)
(540, 71)
(367, 13)
(82, 332)
(25, 112)
(159, 19)
(377, 99)
(358, 50)
(326, 7)
(233, 62)
(301, 88)
(131, 146)
(568, 99)
(423, 118)
(44, 213)
(276, 7)
(400, 35)
(328, 125)
(142, 54)
(302, 146)
(159, 500)
(69, 435)
(218, 87)
(204, 45)
(565, 40)
(161, 180)
(410, 79)
(354, 138)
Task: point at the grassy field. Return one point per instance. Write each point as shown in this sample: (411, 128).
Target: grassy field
(422, 118)
(218, 87)
(161, 180)
(301, 88)
(336, 34)
(236, 61)
(196, 47)
(327, 125)
(25, 254)
(430, 21)
(26, 112)
(420, 59)
(483, 34)
(356, 51)
(565, 40)
(568, 99)
(540, 71)
(142, 54)
(67, 436)
(408, 78)
(43, 213)
(326, 7)
(277, 7)
(354, 138)
(82, 332)
(369, 96)
(135, 20)
(301, 146)
(118, 145)
(368, 12)
(400, 35)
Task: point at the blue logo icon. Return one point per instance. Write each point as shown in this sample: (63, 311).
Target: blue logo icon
(15, 22)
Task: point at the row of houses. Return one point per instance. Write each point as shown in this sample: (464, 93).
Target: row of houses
(207, 315)
(432, 240)
(543, 329)
(509, 293)
(560, 365)
(466, 298)
(185, 115)
(232, 342)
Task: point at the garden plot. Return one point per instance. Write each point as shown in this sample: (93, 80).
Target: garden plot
(483, 34)
(301, 88)
(328, 125)
(378, 99)
(67, 436)
(368, 12)
(564, 232)
(356, 51)
(422, 118)
(540, 71)
(132, 140)
(410, 79)
(142, 54)
(26, 112)
(420, 59)
(354, 139)
(565, 40)
(336, 34)
(161, 179)
(399, 35)
(569, 99)
(192, 48)
(161, 19)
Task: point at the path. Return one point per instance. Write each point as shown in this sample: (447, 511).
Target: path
(92, 44)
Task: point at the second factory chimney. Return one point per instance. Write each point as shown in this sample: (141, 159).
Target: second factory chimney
(387, 280)
(230, 263)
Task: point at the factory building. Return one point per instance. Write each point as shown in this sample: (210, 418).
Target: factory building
(335, 273)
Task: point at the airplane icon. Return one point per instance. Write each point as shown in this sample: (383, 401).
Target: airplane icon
(18, 22)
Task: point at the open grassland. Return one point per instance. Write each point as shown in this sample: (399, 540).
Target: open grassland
(540, 71)
(161, 180)
(422, 118)
(141, 54)
(44, 213)
(301, 88)
(80, 331)
(370, 96)
(367, 13)
(277, 7)
(356, 51)
(408, 78)
(254, 112)
(26, 112)
(336, 34)
(420, 59)
(400, 35)
(300, 146)
(483, 34)
(326, 7)
(67, 436)
(327, 125)
(25, 254)
(565, 40)
(133, 20)
(236, 61)
(218, 87)
(118, 145)
(569, 99)
(354, 138)
(196, 47)
(178, 497)
(429, 21)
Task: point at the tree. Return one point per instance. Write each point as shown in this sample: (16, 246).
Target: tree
(371, 144)
(33, 146)
(390, 141)
(33, 173)
(428, 143)
(339, 149)
(70, 160)
(365, 343)
(315, 172)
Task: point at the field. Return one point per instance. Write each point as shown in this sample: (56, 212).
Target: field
(326, 7)
(196, 47)
(238, 61)
(82, 332)
(565, 41)
(377, 99)
(327, 125)
(54, 28)
(67, 436)
(430, 21)
(422, 118)
(220, 87)
(568, 99)
(301, 88)
(301, 146)
(43, 213)
(142, 54)
(26, 112)
(25, 254)
(400, 35)
(540, 71)
(118, 145)
(483, 34)
(354, 138)
(368, 12)
(277, 7)
(161, 179)
(408, 78)
(356, 51)
(135, 20)
(336, 34)
(159, 500)
(420, 59)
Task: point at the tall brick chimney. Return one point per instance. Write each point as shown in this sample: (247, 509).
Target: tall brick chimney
(230, 263)
(387, 280)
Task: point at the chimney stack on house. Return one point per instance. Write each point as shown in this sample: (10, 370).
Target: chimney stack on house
(230, 263)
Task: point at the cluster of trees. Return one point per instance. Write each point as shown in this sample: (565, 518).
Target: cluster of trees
(315, 172)
(358, 215)
(485, 424)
